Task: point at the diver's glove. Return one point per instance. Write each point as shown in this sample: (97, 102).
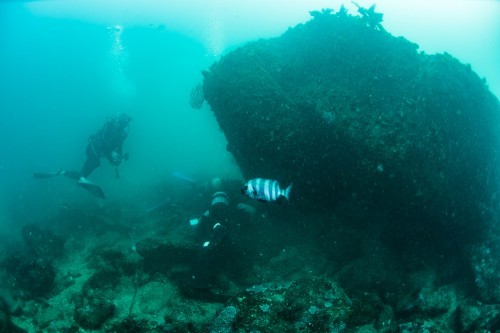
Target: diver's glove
(116, 158)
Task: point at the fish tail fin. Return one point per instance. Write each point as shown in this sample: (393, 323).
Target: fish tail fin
(287, 192)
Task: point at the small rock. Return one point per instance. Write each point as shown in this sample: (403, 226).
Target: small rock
(91, 313)
(223, 322)
(47, 316)
(479, 317)
(436, 302)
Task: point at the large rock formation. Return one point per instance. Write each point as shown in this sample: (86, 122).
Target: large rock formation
(345, 111)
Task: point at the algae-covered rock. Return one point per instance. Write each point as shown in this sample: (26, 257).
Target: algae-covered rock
(33, 276)
(92, 311)
(485, 263)
(47, 316)
(161, 255)
(42, 243)
(434, 302)
(478, 318)
(122, 262)
(5, 323)
(348, 111)
(305, 305)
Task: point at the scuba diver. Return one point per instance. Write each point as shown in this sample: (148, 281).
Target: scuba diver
(216, 230)
(108, 143)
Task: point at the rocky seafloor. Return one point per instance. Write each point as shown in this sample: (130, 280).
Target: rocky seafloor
(114, 267)
(392, 224)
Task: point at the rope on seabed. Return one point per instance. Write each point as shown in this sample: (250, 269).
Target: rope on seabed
(138, 272)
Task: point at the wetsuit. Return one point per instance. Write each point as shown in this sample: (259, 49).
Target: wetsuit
(108, 140)
(215, 228)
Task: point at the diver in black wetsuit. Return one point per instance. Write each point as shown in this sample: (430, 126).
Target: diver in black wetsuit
(108, 143)
(216, 230)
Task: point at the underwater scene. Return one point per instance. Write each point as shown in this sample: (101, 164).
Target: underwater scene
(271, 166)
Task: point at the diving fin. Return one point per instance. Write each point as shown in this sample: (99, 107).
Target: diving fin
(93, 189)
(42, 175)
(71, 174)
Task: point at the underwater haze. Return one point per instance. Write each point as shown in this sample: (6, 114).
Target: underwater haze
(68, 65)
(72, 260)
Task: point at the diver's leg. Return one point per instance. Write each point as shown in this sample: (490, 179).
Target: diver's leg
(91, 163)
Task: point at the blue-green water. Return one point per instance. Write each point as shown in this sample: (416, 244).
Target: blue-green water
(67, 66)
(61, 78)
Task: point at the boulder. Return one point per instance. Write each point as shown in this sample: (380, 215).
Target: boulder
(478, 318)
(349, 112)
(34, 276)
(42, 243)
(92, 311)
(485, 264)
(304, 305)
(161, 255)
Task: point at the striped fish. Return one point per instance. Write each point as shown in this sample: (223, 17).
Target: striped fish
(266, 190)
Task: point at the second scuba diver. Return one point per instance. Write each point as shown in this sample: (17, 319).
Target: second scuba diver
(107, 143)
(216, 229)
